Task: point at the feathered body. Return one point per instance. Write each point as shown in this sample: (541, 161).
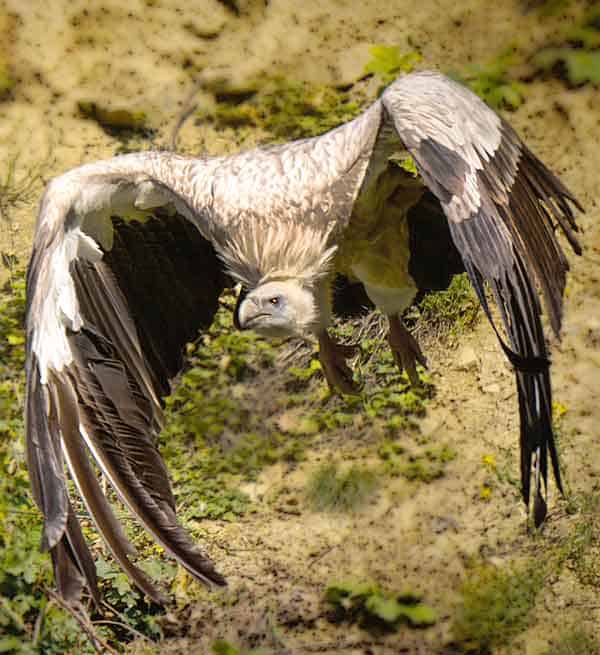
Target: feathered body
(280, 220)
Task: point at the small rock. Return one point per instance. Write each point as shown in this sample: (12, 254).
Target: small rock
(467, 359)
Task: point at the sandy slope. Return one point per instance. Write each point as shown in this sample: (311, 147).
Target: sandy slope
(145, 58)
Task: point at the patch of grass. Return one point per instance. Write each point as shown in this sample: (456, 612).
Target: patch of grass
(451, 312)
(580, 549)
(575, 642)
(329, 489)
(372, 608)
(16, 190)
(496, 606)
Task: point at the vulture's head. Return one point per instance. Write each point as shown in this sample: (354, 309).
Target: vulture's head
(278, 308)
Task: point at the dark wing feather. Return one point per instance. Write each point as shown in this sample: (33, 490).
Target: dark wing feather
(503, 206)
(72, 561)
(119, 338)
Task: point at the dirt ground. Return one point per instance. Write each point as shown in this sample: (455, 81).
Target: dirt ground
(147, 58)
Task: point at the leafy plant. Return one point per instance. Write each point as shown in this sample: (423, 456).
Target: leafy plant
(577, 59)
(387, 62)
(493, 83)
(580, 66)
(367, 604)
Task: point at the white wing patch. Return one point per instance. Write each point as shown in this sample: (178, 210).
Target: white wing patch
(59, 309)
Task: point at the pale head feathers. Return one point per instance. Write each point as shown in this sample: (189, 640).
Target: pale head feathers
(280, 308)
(257, 253)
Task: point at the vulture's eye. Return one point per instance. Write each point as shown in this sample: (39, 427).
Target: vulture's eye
(275, 300)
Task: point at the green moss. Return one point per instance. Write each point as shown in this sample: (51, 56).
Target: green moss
(496, 606)
(288, 109)
(292, 109)
(329, 489)
(366, 603)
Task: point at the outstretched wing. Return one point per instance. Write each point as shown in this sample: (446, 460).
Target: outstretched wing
(503, 207)
(111, 303)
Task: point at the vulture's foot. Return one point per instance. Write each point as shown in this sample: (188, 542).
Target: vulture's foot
(406, 349)
(333, 358)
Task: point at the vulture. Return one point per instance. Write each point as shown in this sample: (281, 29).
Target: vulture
(130, 256)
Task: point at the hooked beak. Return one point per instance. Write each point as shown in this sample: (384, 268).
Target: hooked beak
(236, 312)
(247, 312)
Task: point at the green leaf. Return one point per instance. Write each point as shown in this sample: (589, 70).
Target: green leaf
(419, 615)
(15, 339)
(389, 61)
(581, 66)
(386, 609)
(348, 589)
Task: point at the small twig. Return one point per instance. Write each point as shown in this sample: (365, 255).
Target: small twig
(125, 626)
(99, 644)
(39, 622)
(23, 513)
(122, 623)
(189, 106)
(321, 555)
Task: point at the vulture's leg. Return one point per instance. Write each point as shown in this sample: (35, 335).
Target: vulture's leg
(333, 358)
(405, 348)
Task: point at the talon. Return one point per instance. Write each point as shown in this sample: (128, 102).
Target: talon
(333, 358)
(406, 350)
